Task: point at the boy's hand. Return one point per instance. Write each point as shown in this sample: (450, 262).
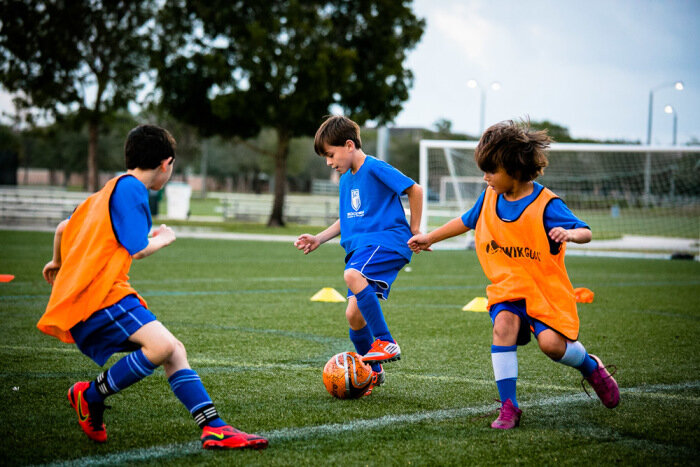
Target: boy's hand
(578, 235)
(165, 235)
(419, 242)
(50, 271)
(307, 243)
(559, 234)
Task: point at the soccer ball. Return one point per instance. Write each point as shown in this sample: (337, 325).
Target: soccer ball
(346, 377)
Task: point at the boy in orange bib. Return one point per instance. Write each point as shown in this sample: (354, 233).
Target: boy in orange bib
(521, 229)
(93, 305)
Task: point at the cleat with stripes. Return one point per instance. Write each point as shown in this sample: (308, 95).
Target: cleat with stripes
(382, 352)
(378, 379)
(89, 415)
(227, 437)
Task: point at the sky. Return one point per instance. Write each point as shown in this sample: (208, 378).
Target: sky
(588, 65)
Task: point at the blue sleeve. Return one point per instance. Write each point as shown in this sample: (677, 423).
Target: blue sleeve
(391, 177)
(131, 216)
(558, 214)
(470, 217)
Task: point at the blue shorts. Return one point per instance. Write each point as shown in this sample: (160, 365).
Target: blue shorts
(377, 264)
(527, 323)
(107, 331)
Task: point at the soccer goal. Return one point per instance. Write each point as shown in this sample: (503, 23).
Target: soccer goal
(641, 199)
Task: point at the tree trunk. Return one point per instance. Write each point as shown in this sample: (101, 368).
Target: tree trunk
(92, 169)
(281, 154)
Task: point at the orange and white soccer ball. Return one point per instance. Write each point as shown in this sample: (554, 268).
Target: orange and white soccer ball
(346, 377)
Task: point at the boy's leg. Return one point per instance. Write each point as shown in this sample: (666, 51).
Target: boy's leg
(368, 304)
(188, 388)
(590, 366)
(504, 358)
(362, 339)
(360, 334)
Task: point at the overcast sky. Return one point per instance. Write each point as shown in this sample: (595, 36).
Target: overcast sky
(585, 64)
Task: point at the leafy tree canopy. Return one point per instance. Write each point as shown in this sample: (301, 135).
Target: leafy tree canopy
(233, 68)
(84, 56)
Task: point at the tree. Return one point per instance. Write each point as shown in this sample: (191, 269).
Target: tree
(84, 56)
(234, 68)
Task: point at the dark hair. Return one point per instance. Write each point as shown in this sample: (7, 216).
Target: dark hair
(335, 131)
(147, 146)
(514, 147)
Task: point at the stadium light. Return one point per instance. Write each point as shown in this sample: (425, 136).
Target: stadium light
(495, 86)
(678, 86)
(670, 110)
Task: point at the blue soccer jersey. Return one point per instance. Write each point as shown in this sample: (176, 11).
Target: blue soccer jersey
(130, 214)
(370, 208)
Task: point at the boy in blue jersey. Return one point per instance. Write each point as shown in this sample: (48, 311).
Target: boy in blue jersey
(93, 305)
(374, 232)
(521, 229)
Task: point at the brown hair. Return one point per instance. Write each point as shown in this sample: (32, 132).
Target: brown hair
(335, 131)
(147, 146)
(521, 152)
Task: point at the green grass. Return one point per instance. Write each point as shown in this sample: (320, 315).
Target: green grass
(242, 310)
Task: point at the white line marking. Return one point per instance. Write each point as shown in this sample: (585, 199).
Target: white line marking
(171, 451)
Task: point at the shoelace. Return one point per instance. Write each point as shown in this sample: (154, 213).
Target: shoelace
(610, 375)
(491, 412)
(97, 415)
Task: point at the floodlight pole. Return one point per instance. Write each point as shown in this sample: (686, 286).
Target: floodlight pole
(675, 127)
(678, 85)
(472, 83)
(482, 111)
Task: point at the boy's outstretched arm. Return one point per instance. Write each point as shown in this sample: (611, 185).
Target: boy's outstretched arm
(579, 235)
(309, 243)
(162, 237)
(415, 204)
(51, 268)
(421, 242)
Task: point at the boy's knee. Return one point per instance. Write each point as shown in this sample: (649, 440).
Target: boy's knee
(353, 278)
(506, 326)
(505, 332)
(552, 346)
(166, 350)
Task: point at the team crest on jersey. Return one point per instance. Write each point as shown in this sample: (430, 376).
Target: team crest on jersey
(355, 199)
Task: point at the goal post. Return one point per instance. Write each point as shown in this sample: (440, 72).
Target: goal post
(635, 198)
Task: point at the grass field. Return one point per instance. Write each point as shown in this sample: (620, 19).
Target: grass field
(242, 310)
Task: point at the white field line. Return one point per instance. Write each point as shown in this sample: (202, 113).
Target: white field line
(171, 451)
(228, 362)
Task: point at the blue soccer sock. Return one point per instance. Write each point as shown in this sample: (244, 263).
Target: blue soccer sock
(368, 303)
(188, 387)
(362, 340)
(505, 370)
(127, 371)
(577, 357)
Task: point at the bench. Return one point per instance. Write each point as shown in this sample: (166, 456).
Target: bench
(27, 206)
(298, 209)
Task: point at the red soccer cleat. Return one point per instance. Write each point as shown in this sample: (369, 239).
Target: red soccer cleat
(378, 379)
(227, 437)
(382, 352)
(89, 415)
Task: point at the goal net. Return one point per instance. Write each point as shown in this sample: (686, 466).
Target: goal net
(635, 198)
